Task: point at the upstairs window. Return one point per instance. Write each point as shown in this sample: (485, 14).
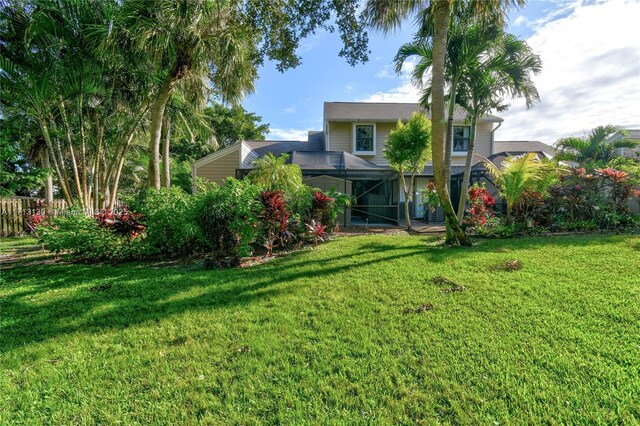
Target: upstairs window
(364, 139)
(461, 138)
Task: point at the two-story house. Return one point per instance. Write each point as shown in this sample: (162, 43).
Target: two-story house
(348, 155)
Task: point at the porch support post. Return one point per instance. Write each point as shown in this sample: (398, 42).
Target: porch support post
(345, 191)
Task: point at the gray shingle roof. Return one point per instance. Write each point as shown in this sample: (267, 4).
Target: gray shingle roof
(380, 111)
(332, 160)
(523, 146)
(315, 143)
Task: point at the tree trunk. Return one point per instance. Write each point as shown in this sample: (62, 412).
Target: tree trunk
(74, 163)
(52, 156)
(48, 183)
(157, 115)
(467, 171)
(448, 148)
(166, 164)
(441, 9)
(116, 179)
(407, 218)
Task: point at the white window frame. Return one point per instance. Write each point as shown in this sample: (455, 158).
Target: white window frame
(354, 127)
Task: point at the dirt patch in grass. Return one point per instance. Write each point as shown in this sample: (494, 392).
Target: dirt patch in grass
(420, 309)
(453, 287)
(508, 266)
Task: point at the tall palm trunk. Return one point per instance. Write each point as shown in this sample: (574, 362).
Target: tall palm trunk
(157, 115)
(48, 183)
(166, 166)
(451, 238)
(441, 9)
(120, 160)
(467, 170)
(74, 163)
(56, 166)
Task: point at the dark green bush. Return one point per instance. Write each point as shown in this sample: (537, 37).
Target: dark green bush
(82, 237)
(170, 224)
(226, 218)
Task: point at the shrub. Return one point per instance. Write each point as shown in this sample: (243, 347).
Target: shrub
(318, 232)
(170, 225)
(430, 199)
(618, 186)
(79, 235)
(480, 204)
(274, 219)
(321, 207)
(125, 224)
(226, 217)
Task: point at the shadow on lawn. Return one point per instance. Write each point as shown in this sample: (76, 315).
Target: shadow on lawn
(138, 293)
(91, 298)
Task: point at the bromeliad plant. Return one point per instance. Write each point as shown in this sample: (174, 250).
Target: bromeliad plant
(274, 217)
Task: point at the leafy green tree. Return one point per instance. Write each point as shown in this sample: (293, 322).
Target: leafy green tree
(228, 125)
(271, 172)
(596, 148)
(407, 149)
(18, 174)
(233, 124)
(433, 18)
(225, 42)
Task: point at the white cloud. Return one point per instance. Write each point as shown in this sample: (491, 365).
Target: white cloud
(348, 88)
(591, 73)
(288, 134)
(290, 110)
(406, 92)
(385, 72)
(520, 20)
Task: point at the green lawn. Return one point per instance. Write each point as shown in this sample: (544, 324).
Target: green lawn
(321, 336)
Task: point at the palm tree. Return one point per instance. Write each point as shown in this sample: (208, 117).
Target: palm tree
(435, 14)
(514, 177)
(597, 148)
(504, 70)
(189, 38)
(273, 172)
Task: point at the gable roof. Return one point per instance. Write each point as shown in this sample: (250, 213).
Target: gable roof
(384, 111)
(524, 146)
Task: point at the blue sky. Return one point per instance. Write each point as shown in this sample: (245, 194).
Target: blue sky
(591, 76)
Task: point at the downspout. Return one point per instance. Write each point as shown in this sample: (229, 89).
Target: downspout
(493, 148)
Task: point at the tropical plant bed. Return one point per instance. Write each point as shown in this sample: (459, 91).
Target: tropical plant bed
(371, 329)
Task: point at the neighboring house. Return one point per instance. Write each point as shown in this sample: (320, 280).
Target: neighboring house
(348, 155)
(632, 134)
(525, 146)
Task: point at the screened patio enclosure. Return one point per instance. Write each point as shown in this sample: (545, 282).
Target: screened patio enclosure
(377, 195)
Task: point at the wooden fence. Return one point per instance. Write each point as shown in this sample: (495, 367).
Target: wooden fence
(15, 212)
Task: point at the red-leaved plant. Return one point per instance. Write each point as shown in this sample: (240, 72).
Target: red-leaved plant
(481, 205)
(619, 185)
(318, 232)
(321, 207)
(127, 224)
(274, 216)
